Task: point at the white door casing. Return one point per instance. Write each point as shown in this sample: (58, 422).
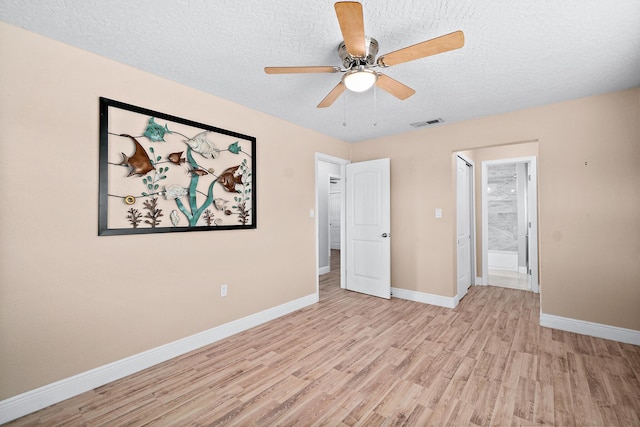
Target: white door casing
(463, 228)
(368, 221)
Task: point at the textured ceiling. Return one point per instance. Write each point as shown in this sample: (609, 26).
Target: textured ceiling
(517, 54)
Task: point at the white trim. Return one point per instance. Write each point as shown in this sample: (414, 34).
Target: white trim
(583, 327)
(31, 401)
(324, 270)
(439, 300)
(480, 282)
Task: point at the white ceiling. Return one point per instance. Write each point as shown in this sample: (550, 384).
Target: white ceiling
(517, 54)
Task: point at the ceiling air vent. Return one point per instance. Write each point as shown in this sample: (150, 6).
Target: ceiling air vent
(426, 123)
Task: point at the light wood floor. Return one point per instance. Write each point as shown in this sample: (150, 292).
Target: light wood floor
(358, 360)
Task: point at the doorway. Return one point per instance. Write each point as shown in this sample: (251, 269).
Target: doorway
(364, 212)
(328, 169)
(509, 223)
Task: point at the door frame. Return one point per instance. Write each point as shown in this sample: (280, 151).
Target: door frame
(532, 210)
(342, 163)
(472, 225)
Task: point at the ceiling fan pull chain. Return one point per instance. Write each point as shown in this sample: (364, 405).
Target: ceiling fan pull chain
(344, 110)
(375, 106)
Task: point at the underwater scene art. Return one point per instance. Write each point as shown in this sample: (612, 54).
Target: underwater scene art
(162, 173)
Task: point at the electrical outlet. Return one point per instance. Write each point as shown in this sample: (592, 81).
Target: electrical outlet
(223, 290)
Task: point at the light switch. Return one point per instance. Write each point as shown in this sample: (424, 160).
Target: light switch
(438, 213)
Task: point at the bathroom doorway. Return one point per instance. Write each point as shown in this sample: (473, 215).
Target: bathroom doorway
(509, 246)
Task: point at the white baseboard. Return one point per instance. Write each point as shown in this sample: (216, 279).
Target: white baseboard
(324, 270)
(598, 330)
(31, 401)
(480, 282)
(439, 300)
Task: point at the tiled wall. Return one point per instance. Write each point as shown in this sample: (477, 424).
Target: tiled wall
(503, 207)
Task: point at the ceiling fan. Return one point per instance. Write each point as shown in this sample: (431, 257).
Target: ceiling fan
(358, 53)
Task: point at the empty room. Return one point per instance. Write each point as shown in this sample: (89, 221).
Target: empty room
(319, 213)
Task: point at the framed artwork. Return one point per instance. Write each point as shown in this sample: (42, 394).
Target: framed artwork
(160, 173)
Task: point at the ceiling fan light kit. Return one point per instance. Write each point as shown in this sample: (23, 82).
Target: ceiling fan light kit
(359, 80)
(358, 55)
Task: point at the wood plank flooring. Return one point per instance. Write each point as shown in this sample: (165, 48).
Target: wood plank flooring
(354, 360)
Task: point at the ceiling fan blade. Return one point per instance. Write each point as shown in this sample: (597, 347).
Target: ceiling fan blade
(295, 70)
(332, 96)
(352, 26)
(440, 44)
(394, 87)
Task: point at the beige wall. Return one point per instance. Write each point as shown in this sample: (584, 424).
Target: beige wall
(70, 300)
(589, 202)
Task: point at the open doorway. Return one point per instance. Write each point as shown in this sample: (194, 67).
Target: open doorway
(366, 203)
(509, 223)
(523, 154)
(330, 220)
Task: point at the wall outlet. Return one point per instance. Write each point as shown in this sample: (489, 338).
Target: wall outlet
(223, 290)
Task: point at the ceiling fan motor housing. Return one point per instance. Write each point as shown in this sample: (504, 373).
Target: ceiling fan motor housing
(349, 61)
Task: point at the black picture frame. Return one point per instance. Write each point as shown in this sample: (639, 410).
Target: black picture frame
(159, 173)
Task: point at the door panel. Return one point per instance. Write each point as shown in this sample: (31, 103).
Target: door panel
(368, 234)
(463, 216)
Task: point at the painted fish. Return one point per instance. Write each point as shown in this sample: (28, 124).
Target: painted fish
(176, 158)
(139, 163)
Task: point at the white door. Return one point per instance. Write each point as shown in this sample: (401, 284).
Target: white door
(463, 214)
(368, 212)
(334, 220)
(532, 213)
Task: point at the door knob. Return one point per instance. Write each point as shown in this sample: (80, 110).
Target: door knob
(385, 235)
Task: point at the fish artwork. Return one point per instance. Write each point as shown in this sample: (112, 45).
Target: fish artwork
(174, 191)
(228, 179)
(220, 204)
(154, 131)
(200, 144)
(198, 172)
(176, 158)
(139, 163)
